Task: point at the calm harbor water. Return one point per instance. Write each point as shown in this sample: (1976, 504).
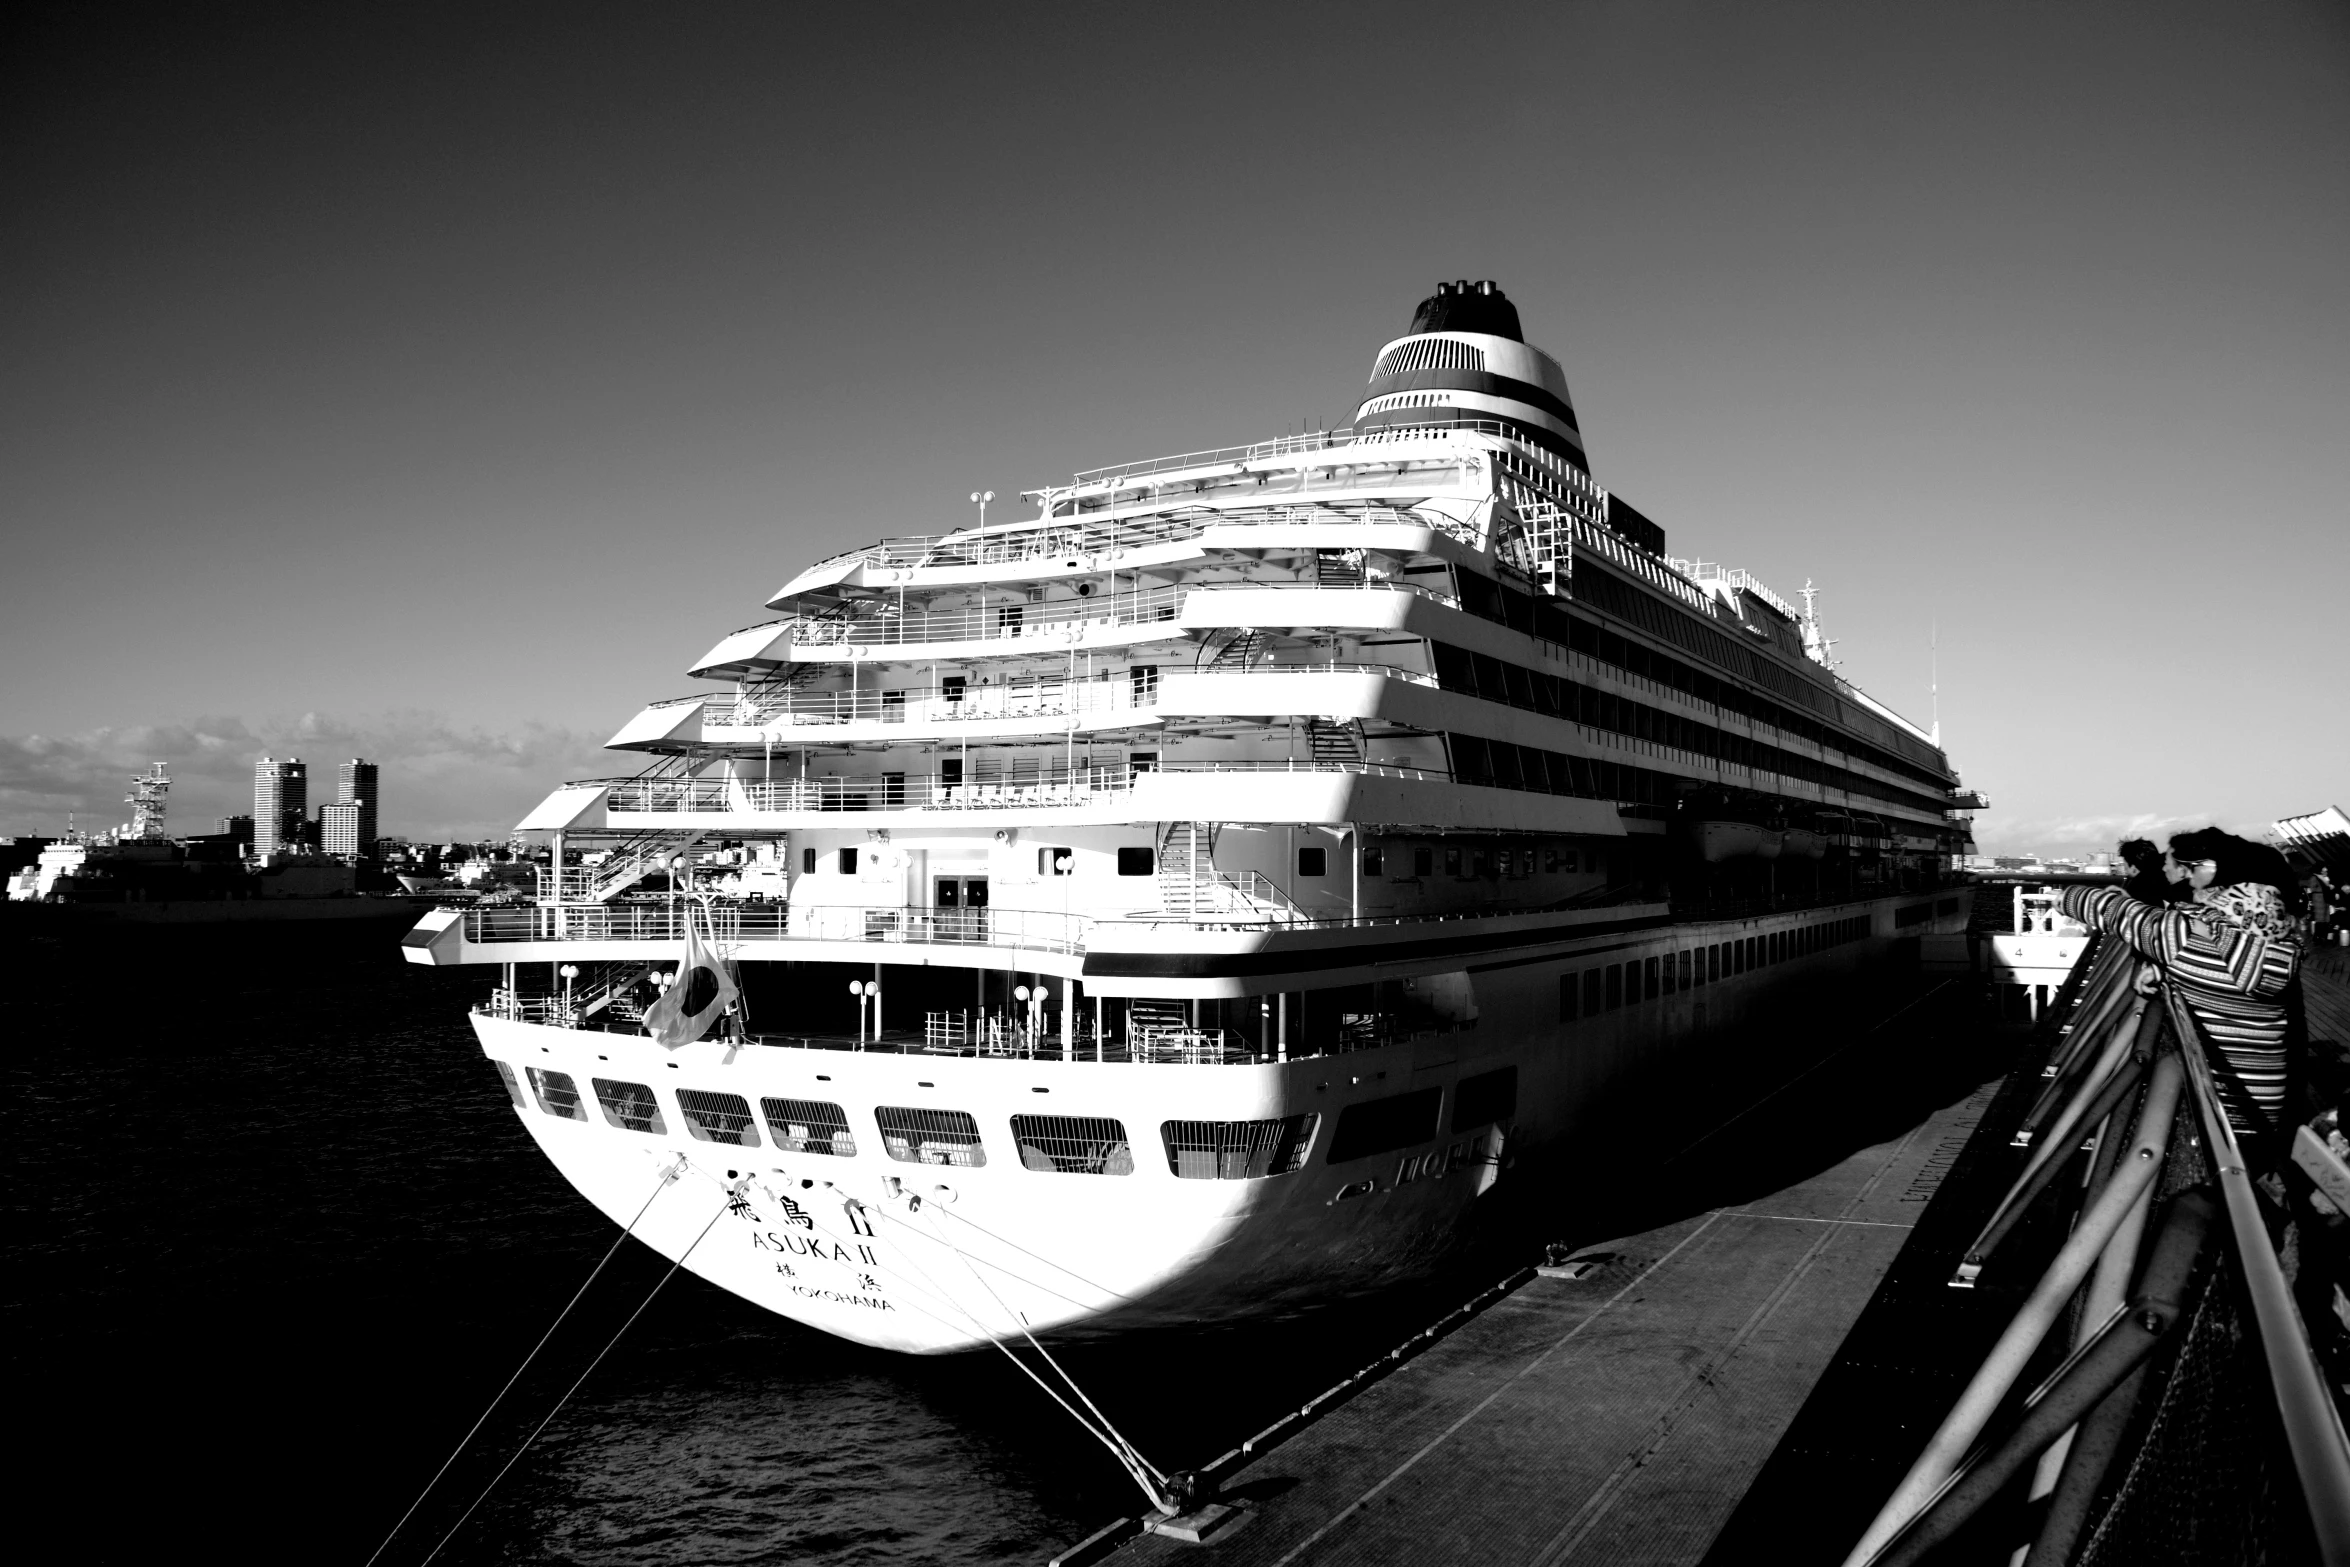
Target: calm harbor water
(278, 1238)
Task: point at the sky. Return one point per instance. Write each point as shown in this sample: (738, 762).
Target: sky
(432, 384)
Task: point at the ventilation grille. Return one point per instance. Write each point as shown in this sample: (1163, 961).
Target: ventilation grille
(629, 1106)
(809, 1126)
(1237, 1150)
(557, 1093)
(717, 1118)
(1429, 353)
(1073, 1144)
(920, 1136)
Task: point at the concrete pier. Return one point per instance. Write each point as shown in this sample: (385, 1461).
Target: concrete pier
(1617, 1417)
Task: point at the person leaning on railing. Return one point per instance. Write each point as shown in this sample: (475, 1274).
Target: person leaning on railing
(2232, 954)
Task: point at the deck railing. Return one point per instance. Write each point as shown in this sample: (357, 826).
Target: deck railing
(1039, 696)
(1063, 539)
(726, 924)
(877, 622)
(1048, 788)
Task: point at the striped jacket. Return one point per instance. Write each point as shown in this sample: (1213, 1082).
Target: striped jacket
(2231, 960)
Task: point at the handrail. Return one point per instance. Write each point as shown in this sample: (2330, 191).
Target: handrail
(2313, 1426)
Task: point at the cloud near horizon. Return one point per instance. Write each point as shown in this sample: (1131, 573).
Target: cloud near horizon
(439, 781)
(1996, 834)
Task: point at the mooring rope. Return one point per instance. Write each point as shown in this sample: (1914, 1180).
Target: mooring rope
(435, 1552)
(1136, 1464)
(669, 1174)
(1139, 1469)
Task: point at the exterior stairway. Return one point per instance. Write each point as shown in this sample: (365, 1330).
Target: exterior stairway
(1190, 886)
(1338, 568)
(1334, 741)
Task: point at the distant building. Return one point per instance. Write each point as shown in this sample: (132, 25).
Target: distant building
(238, 828)
(356, 786)
(281, 804)
(339, 829)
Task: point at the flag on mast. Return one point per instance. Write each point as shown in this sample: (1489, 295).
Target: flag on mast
(702, 993)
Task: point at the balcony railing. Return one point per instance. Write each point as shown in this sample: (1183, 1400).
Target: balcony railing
(878, 622)
(1026, 930)
(1043, 696)
(1312, 441)
(1081, 785)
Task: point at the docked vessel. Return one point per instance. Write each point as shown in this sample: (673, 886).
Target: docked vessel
(1243, 866)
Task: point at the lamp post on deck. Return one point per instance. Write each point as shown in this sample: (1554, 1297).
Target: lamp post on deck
(980, 498)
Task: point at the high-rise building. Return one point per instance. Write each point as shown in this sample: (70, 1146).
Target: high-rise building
(357, 787)
(281, 803)
(339, 828)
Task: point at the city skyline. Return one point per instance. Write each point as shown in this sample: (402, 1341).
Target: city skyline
(392, 370)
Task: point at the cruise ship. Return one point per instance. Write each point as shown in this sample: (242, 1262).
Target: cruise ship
(1199, 895)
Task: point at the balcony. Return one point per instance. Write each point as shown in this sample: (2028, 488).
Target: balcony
(732, 924)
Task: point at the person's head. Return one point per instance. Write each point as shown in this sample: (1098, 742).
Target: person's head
(2210, 857)
(2141, 854)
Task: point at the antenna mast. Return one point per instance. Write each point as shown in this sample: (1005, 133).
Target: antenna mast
(1934, 673)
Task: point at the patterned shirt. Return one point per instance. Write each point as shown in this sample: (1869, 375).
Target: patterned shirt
(2231, 956)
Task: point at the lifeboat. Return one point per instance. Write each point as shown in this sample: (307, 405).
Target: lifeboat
(1801, 843)
(1718, 841)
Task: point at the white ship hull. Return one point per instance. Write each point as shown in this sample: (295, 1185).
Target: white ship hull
(932, 1258)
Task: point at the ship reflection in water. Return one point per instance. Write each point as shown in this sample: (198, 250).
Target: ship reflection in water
(283, 1238)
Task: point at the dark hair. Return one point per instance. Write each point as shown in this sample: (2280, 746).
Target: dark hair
(2142, 853)
(2239, 860)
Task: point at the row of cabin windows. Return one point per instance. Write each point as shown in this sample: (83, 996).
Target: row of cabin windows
(1459, 861)
(1142, 861)
(1555, 696)
(1062, 1144)
(911, 1134)
(1490, 600)
(1591, 991)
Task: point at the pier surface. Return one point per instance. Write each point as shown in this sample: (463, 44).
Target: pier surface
(1619, 1417)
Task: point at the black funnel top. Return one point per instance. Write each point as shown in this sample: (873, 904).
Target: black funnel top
(1468, 307)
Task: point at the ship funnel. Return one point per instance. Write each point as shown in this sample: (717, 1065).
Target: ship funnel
(1466, 361)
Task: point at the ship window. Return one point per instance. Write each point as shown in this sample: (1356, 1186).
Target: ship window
(1570, 990)
(846, 861)
(629, 1106)
(1056, 862)
(1452, 859)
(1615, 986)
(1379, 1126)
(1374, 862)
(1592, 1003)
(1136, 862)
(1423, 862)
(506, 1076)
(807, 862)
(1313, 862)
(1650, 986)
(1073, 1144)
(1485, 1099)
(557, 1093)
(920, 1136)
(717, 1118)
(809, 1126)
(1238, 1150)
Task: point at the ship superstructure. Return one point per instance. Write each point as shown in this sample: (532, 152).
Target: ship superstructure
(1243, 863)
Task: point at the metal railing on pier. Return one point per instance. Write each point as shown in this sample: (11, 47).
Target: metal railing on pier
(2191, 1419)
